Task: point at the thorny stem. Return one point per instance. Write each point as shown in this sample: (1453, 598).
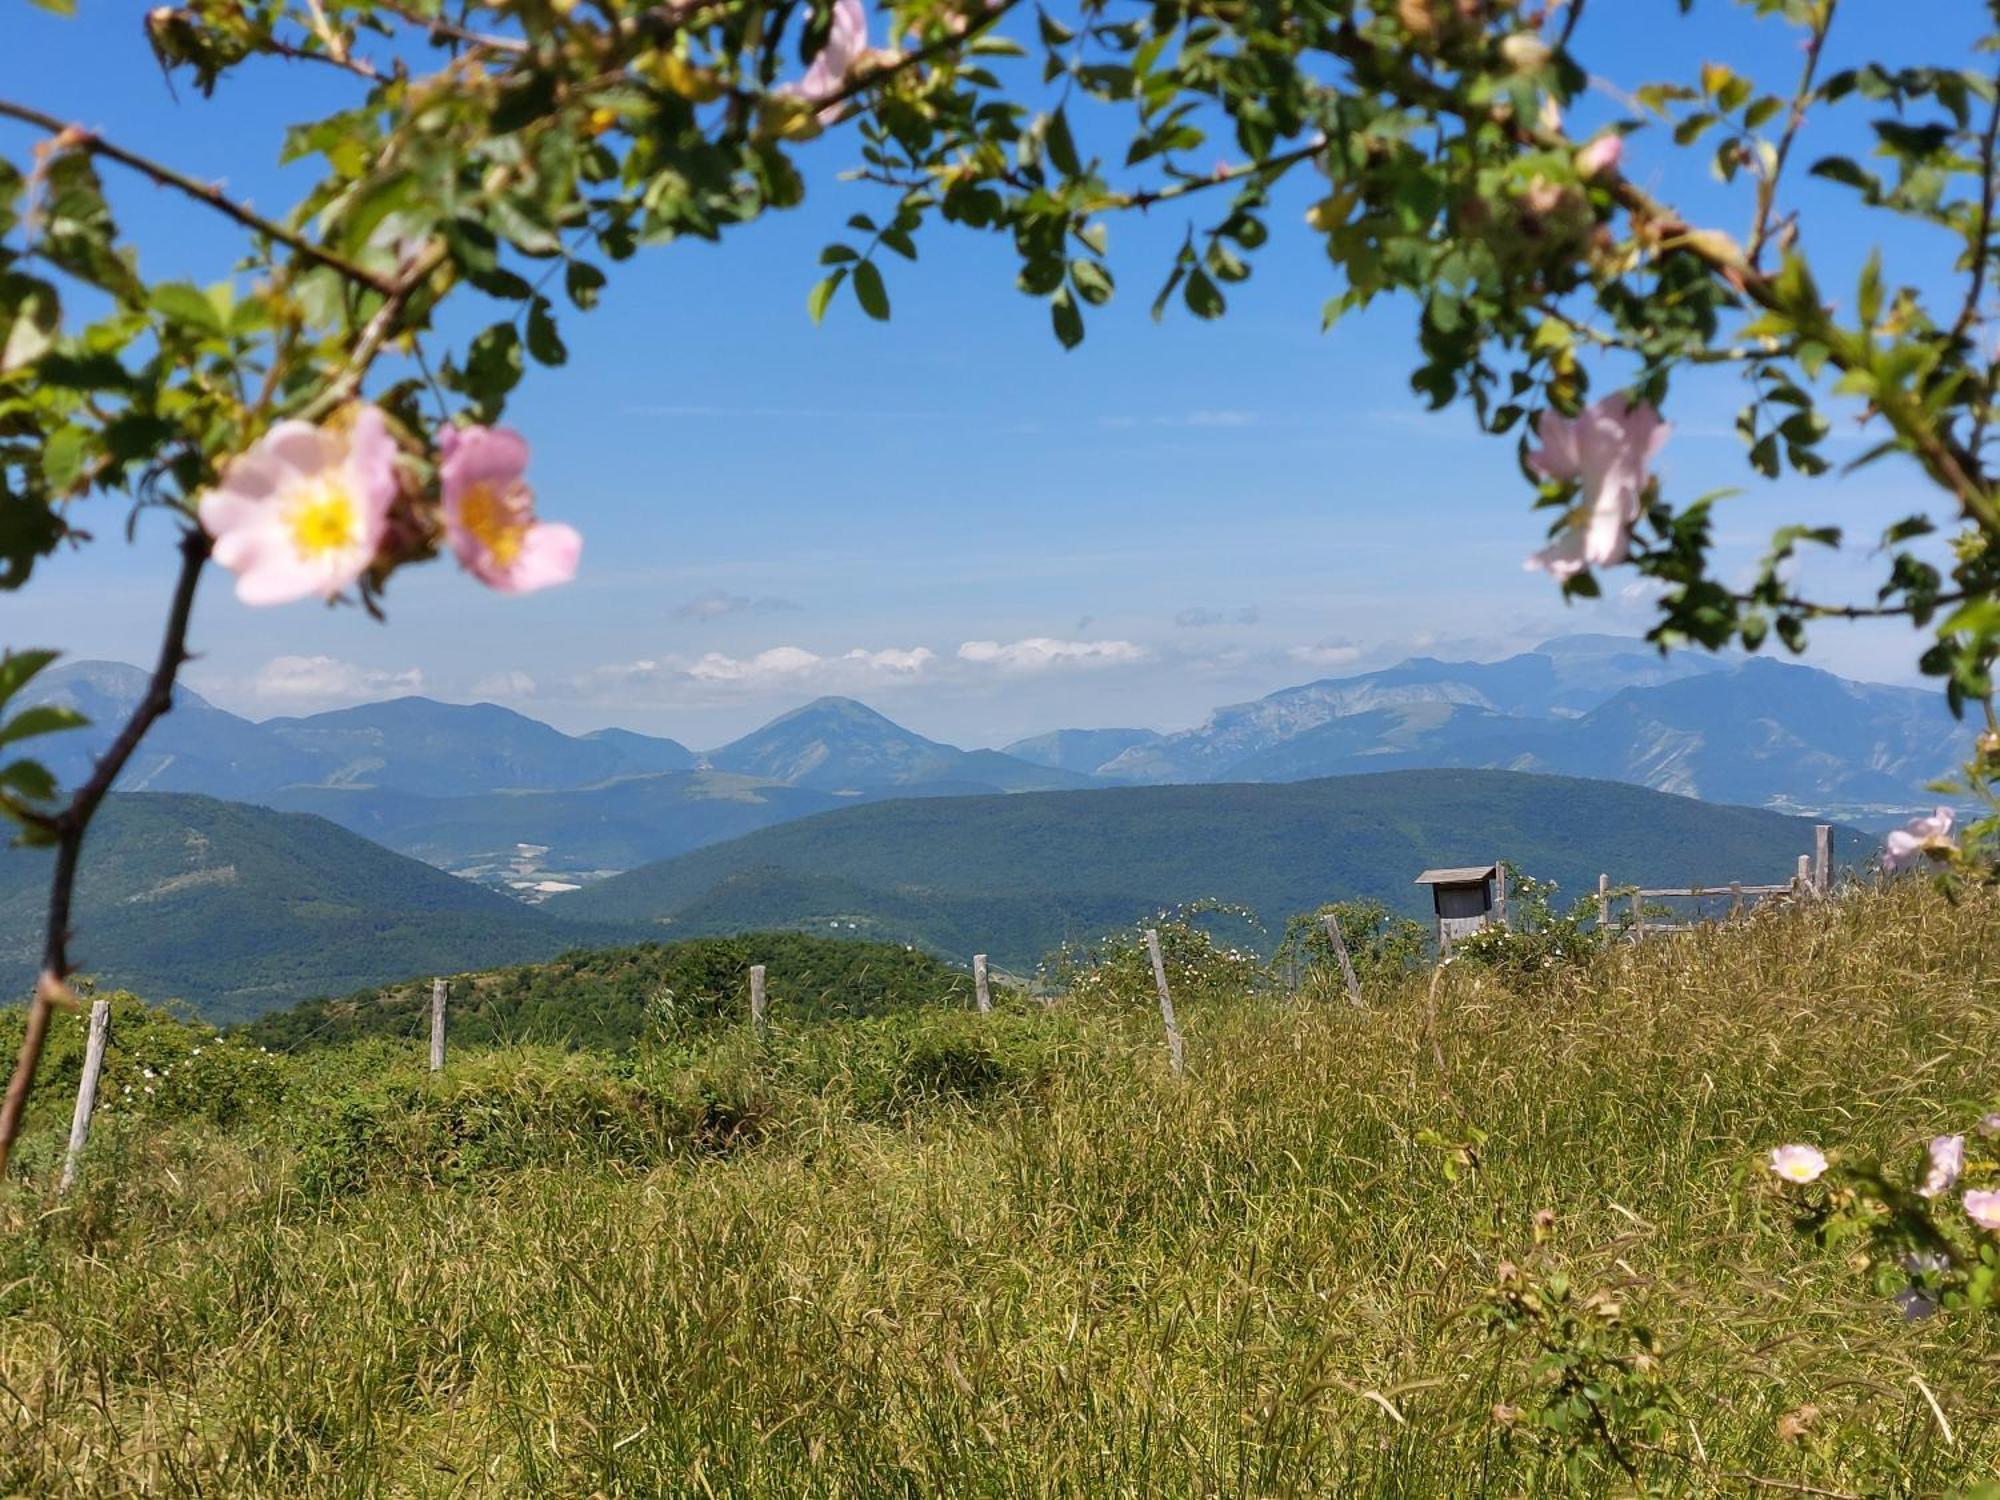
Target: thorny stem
(70, 825)
(201, 192)
(1767, 185)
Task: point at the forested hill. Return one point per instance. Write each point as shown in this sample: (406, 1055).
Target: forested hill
(237, 909)
(609, 999)
(1013, 876)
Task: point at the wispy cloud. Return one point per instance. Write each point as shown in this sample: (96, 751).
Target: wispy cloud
(1202, 418)
(1041, 653)
(1328, 653)
(504, 687)
(717, 603)
(668, 680)
(1199, 617)
(327, 679)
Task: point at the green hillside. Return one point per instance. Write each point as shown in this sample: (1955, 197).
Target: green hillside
(608, 998)
(238, 909)
(1015, 875)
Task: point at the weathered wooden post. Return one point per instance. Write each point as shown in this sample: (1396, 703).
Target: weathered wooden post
(1603, 900)
(86, 1092)
(980, 990)
(438, 991)
(1735, 899)
(1802, 881)
(1638, 915)
(1500, 893)
(1346, 964)
(757, 1021)
(1174, 1054)
(1823, 857)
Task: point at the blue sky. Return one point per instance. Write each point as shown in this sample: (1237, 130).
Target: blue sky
(947, 515)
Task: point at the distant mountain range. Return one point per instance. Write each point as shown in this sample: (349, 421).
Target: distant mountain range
(1745, 730)
(238, 909)
(491, 794)
(1015, 876)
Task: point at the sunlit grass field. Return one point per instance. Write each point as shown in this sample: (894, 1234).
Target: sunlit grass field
(1011, 1255)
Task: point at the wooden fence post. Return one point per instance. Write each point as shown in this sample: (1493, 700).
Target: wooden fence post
(1174, 1054)
(86, 1092)
(1346, 964)
(981, 992)
(757, 1022)
(1823, 857)
(1735, 898)
(1500, 892)
(1603, 900)
(438, 991)
(1802, 881)
(1638, 915)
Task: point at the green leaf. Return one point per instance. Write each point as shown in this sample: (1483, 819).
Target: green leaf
(30, 778)
(1067, 319)
(18, 668)
(543, 341)
(181, 302)
(1868, 301)
(30, 319)
(1203, 297)
(583, 281)
(1092, 281)
(1062, 145)
(44, 718)
(869, 291)
(822, 294)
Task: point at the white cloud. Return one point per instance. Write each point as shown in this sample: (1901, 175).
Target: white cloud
(503, 685)
(1039, 653)
(327, 678)
(1326, 654)
(780, 666)
(779, 661)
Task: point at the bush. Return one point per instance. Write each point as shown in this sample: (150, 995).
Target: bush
(1116, 972)
(1380, 945)
(1537, 941)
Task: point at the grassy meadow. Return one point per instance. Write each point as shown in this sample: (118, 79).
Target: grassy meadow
(1480, 1238)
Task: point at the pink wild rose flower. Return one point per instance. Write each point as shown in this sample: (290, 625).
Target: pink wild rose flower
(1600, 158)
(303, 510)
(1604, 449)
(1947, 1161)
(1917, 838)
(489, 513)
(846, 43)
(1797, 1163)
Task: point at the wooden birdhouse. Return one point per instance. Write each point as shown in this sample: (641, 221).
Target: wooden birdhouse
(1465, 900)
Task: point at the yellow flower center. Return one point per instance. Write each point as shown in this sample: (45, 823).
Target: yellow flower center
(497, 521)
(324, 518)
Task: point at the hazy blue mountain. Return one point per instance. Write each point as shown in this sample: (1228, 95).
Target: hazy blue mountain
(1726, 729)
(196, 747)
(450, 749)
(238, 909)
(1769, 733)
(1085, 751)
(1058, 865)
(1562, 677)
(839, 745)
(403, 744)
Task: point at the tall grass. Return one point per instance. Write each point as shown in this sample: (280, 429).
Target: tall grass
(1011, 1256)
